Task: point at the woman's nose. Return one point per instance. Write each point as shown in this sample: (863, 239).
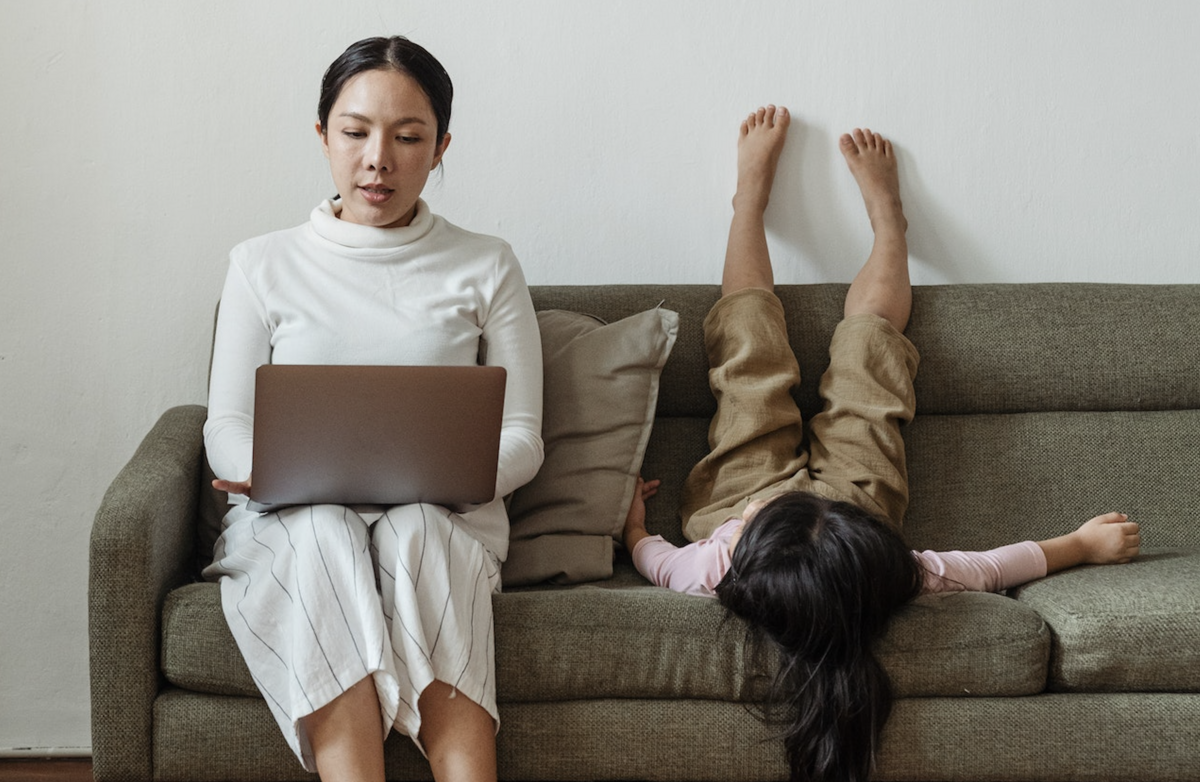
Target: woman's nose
(377, 157)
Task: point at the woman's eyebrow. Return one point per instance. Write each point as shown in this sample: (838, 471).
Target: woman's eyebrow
(401, 121)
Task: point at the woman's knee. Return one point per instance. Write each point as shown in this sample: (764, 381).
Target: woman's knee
(409, 528)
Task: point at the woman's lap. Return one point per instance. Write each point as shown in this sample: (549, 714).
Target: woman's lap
(437, 602)
(300, 591)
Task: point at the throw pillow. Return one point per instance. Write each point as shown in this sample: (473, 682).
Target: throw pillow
(600, 392)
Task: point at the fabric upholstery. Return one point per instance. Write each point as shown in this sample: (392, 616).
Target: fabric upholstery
(567, 644)
(990, 348)
(141, 547)
(1055, 347)
(979, 481)
(1133, 628)
(208, 738)
(969, 644)
(1043, 737)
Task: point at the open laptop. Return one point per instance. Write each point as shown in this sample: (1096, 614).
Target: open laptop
(375, 435)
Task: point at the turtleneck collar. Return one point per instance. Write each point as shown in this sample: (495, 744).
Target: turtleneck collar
(329, 226)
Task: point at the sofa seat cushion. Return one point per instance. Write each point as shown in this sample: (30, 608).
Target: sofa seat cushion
(631, 640)
(1124, 628)
(966, 644)
(622, 638)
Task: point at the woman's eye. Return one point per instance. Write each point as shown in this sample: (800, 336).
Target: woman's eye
(409, 139)
(354, 133)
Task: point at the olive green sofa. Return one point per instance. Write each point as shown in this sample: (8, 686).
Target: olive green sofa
(1039, 405)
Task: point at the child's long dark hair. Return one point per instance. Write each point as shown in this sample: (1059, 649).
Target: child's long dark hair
(821, 579)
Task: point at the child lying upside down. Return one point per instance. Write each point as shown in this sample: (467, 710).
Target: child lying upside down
(804, 543)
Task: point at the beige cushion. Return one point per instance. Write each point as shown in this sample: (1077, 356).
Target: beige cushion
(601, 388)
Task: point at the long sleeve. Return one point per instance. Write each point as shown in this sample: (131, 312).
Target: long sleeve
(241, 345)
(510, 331)
(694, 569)
(697, 568)
(982, 571)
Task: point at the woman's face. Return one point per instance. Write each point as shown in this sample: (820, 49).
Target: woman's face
(381, 141)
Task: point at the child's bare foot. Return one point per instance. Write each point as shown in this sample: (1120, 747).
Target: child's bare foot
(760, 140)
(873, 164)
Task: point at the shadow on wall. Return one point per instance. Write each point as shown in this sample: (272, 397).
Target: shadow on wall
(936, 240)
(817, 235)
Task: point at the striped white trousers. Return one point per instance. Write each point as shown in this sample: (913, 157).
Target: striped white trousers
(318, 597)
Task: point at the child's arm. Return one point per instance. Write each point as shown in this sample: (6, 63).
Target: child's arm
(635, 521)
(1105, 539)
(694, 569)
(1108, 539)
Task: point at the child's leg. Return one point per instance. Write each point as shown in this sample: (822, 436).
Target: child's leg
(882, 286)
(755, 435)
(856, 446)
(757, 428)
(760, 140)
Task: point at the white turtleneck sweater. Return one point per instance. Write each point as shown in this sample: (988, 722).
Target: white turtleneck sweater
(334, 292)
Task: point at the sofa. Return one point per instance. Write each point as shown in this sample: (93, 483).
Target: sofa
(1039, 406)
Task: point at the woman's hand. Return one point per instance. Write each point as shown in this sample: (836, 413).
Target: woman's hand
(635, 520)
(1110, 538)
(232, 487)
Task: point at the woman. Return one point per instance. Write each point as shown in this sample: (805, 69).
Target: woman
(803, 542)
(355, 621)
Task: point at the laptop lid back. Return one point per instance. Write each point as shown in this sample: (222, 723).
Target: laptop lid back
(386, 435)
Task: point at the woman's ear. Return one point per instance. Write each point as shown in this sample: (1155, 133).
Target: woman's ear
(324, 138)
(441, 150)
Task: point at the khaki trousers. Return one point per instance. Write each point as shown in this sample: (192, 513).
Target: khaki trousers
(855, 450)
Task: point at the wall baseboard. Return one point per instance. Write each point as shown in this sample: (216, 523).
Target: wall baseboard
(32, 753)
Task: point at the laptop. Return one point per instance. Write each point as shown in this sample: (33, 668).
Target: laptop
(375, 435)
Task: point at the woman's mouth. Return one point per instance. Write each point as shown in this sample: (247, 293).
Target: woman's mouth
(375, 194)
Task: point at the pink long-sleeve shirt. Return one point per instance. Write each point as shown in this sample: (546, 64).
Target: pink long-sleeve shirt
(698, 567)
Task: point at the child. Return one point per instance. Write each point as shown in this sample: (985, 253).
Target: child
(804, 544)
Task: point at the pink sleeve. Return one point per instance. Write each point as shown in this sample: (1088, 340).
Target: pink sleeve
(693, 569)
(982, 571)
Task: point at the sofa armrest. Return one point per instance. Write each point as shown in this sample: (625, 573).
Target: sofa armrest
(141, 547)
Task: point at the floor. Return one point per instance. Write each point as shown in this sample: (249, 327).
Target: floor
(46, 770)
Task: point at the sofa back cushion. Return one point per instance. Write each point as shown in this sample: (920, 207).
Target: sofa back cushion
(1038, 405)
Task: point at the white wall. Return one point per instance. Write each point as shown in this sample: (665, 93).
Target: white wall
(142, 139)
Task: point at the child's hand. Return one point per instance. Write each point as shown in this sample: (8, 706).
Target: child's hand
(1108, 539)
(635, 520)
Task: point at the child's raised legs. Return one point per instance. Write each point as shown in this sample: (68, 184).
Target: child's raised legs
(760, 140)
(882, 286)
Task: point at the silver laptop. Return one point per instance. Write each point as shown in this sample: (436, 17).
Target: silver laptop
(375, 435)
